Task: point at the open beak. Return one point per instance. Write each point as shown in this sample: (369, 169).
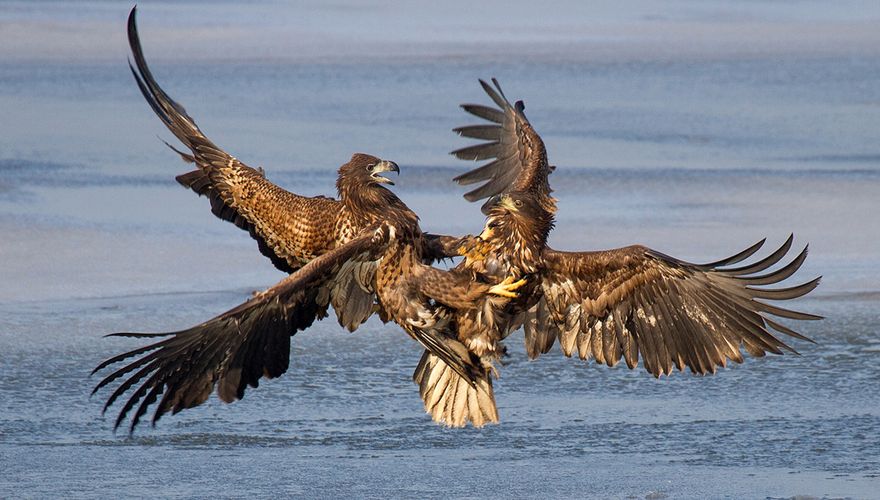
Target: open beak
(381, 167)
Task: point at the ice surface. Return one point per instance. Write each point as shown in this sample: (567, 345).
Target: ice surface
(696, 128)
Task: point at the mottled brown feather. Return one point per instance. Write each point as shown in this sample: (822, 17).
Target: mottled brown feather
(520, 156)
(235, 349)
(290, 229)
(683, 314)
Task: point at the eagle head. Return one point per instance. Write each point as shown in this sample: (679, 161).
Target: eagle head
(522, 205)
(365, 170)
(517, 220)
(361, 188)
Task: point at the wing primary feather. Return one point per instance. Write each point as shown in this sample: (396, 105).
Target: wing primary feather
(162, 99)
(778, 275)
(151, 361)
(188, 158)
(788, 331)
(128, 368)
(752, 333)
(733, 259)
(157, 349)
(756, 325)
(785, 313)
(125, 386)
(496, 96)
(140, 335)
(763, 263)
(751, 327)
(485, 132)
(785, 293)
(492, 187)
(498, 87)
(484, 112)
(484, 172)
(149, 399)
(478, 152)
(151, 100)
(125, 355)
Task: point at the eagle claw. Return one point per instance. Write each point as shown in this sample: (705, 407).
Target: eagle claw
(506, 288)
(474, 249)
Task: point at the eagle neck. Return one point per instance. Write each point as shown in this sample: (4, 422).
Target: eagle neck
(373, 204)
(522, 240)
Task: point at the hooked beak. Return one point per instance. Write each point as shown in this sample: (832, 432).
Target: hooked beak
(491, 202)
(381, 167)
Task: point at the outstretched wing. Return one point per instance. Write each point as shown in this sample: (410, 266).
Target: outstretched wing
(517, 153)
(232, 350)
(290, 229)
(635, 301)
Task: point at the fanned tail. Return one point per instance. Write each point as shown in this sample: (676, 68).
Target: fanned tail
(450, 399)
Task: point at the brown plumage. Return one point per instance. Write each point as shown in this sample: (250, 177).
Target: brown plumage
(627, 303)
(362, 253)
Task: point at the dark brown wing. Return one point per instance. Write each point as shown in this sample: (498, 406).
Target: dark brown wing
(232, 350)
(517, 153)
(636, 301)
(289, 229)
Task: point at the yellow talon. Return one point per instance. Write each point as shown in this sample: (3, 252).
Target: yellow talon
(474, 251)
(506, 288)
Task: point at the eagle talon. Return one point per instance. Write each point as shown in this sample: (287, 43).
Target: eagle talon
(475, 248)
(506, 288)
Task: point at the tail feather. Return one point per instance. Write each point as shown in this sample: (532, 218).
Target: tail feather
(450, 399)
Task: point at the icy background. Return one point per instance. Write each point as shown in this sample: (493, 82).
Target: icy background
(695, 128)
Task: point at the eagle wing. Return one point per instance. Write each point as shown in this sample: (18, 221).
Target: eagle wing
(232, 350)
(289, 229)
(517, 153)
(635, 301)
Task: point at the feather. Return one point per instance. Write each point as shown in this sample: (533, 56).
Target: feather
(480, 151)
(521, 159)
(497, 97)
(486, 132)
(238, 193)
(484, 112)
(763, 263)
(683, 314)
(231, 351)
(780, 274)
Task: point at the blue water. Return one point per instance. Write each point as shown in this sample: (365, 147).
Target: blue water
(697, 129)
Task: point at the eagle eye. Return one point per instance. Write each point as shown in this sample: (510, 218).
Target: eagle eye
(370, 167)
(518, 203)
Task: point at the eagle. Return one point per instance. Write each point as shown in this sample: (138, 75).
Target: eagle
(611, 305)
(363, 253)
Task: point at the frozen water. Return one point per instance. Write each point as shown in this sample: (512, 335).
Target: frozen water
(694, 128)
